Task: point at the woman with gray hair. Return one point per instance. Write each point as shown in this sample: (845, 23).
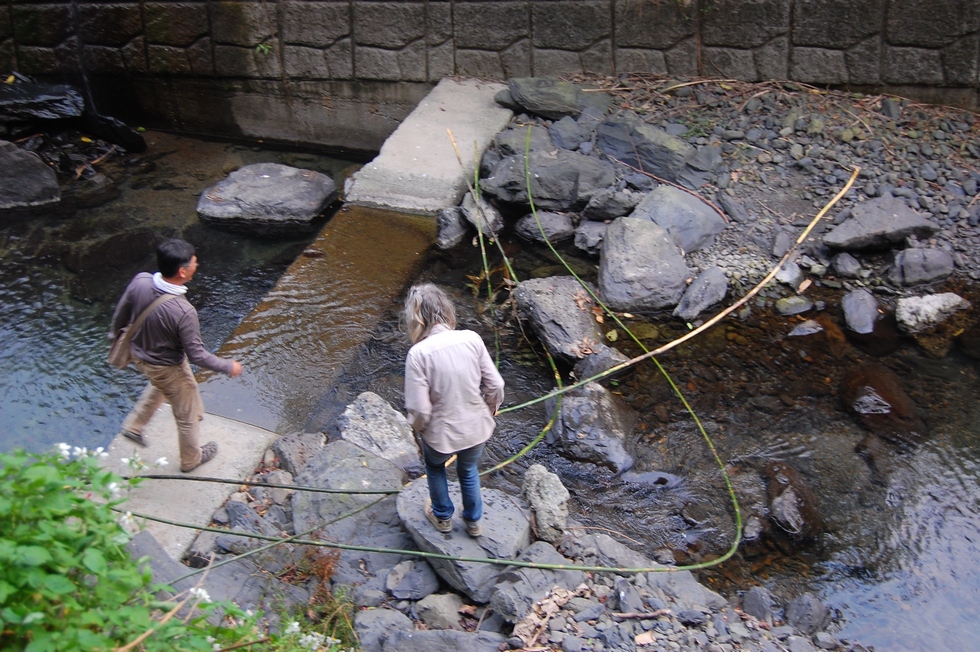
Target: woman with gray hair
(452, 391)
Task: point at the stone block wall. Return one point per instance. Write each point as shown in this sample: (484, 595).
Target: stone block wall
(345, 72)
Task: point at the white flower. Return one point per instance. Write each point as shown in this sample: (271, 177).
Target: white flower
(128, 524)
(311, 641)
(64, 450)
(113, 488)
(200, 594)
(216, 647)
(249, 613)
(293, 628)
(210, 639)
(125, 460)
(161, 462)
(79, 452)
(100, 453)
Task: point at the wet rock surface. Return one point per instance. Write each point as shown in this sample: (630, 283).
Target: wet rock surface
(435, 603)
(26, 180)
(268, 197)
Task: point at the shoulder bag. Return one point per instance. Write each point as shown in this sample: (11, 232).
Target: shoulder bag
(120, 354)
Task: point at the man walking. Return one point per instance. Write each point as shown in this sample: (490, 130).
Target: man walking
(169, 336)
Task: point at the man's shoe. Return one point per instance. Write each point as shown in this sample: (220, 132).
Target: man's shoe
(473, 528)
(134, 436)
(443, 525)
(208, 451)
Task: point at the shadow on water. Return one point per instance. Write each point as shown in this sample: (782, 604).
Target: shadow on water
(897, 557)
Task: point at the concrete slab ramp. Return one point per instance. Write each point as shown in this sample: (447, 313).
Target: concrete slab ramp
(240, 449)
(417, 170)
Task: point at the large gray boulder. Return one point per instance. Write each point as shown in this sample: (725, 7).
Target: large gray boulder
(629, 140)
(452, 227)
(372, 424)
(549, 502)
(589, 237)
(807, 614)
(344, 466)
(589, 549)
(560, 313)
(506, 531)
(609, 204)
(295, 449)
(375, 626)
(556, 227)
(877, 224)
(684, 590)
(691, 223)
(560, 180)
(518, 139)
(442, 640)
(267, 197)
(567, 133)
(593, 426)
(485, 218)
(708, 288)
(26, 181)
(554, 98)
(641, 268)
(918, 266)
(860, 310)
(518, 589)
(916, 314)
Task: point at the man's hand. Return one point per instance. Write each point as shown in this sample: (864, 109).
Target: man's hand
(236, 368)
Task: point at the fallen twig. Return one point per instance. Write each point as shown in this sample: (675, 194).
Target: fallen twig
(641, 616)
(671, 183)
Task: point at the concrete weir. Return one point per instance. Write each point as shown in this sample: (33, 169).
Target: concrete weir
(417, 170)
(295, 343)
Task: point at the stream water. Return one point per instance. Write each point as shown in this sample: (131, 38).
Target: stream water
(897, 557)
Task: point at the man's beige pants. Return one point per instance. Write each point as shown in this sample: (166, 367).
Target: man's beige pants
(176, 385)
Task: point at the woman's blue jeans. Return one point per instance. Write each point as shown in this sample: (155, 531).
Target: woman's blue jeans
(467, 462)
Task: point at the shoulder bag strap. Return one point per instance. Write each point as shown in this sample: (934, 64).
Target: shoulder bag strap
(150, 308)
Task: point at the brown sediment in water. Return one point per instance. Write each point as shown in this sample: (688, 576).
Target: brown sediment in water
(294, 345)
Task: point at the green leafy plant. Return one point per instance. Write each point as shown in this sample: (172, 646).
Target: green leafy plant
(68, 584)
(263, 48)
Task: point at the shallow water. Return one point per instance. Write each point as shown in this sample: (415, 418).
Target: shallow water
(897, 560)
(60, 276)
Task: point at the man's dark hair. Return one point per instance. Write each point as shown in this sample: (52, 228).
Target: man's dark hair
(172, 255)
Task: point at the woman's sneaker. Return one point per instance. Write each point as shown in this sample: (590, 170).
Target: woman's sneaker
(473, 528)
(444, 525)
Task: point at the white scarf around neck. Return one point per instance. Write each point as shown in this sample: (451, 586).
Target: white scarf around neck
(164, 286)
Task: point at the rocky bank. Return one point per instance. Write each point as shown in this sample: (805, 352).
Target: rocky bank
(685, 193)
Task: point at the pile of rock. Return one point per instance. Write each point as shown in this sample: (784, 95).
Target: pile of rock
(410, 602)
(678, 209)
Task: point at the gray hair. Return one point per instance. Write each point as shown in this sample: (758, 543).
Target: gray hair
(425, 306)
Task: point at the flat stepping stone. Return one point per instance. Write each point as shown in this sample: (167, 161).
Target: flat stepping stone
(268, 197)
